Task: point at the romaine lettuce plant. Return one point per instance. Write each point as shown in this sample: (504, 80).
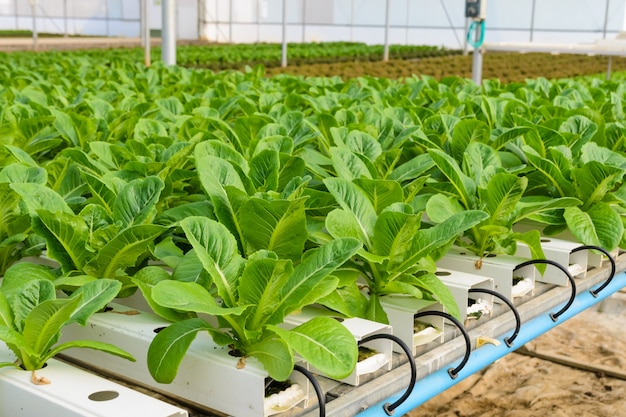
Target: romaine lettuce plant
(102, 240)
(31, 317)
(255, 294)
(482, 183)
(398, 251)
(594, 175)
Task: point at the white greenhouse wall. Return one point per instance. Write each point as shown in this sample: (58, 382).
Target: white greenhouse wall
(432, 22)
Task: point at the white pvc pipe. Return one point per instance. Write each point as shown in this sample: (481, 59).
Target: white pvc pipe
(168, 35)
(605, 48)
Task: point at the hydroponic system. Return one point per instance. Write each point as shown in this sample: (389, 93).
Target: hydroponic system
(249, 245)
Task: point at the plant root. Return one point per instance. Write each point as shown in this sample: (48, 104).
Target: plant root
(39, 380)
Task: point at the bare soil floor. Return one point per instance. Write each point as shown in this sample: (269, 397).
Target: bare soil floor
(522, 386)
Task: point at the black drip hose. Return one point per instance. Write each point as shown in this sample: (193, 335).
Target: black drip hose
(389, 408)
(316, 386)
(555, 316)
(611, 260)
(518, 321)
(453, 372)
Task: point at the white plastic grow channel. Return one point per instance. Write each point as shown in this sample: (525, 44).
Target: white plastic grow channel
(503, 269)
(73, 392)
(401, 312)
(433, 365)
(559, 251)
(360, 329)
(460, 284)
(437, 382)
(208, 375)
(594, 258)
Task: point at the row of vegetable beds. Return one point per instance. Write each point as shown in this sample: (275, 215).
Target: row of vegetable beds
(231, 201)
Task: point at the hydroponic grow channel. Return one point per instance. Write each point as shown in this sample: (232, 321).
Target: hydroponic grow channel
(432, 365)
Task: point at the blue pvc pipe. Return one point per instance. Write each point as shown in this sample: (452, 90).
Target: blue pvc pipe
(437, 382)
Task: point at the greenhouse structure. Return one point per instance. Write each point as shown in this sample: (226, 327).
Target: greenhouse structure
(302, 208)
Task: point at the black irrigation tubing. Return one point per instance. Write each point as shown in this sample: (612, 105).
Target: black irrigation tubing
(518, 321)
(321, 400)
(555, 316)
(608, 255)
(453, 372)
(389, 408)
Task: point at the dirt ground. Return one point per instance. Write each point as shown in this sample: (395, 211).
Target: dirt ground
(522, 386)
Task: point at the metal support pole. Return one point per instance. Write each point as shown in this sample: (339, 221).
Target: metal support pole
(65, 34)
(283, 60)
(169, 32)
(142, 22)
(17, 25)
(106, 16)
(604, 30)
(258, 21)
(408, 13)
(386, 50)
(351, 20)
(33, 8)
(303, 21)
(230, 22)
(532, 20)
(145, 35)
(606, 19)
(465, 44)
(477, 60)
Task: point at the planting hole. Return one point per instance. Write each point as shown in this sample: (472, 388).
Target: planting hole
(339, 319)
(545, 240)
(275, 387)
(103, 395)
(461, 253)
(158, 329)
(442, 273)
(107, 309)
(491, 255)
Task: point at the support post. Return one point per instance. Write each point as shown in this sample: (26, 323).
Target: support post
(386, 50)
(477, 60)
(465, 44)
(145, 35)
(65, 34)
(351, 20)
(604, 30)
(230, 21)
(283, 60)
(408, 13)
(303, 21)
(258, 21)
(33, 8)
(169, 32)
(106, 16)
(532, 20)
